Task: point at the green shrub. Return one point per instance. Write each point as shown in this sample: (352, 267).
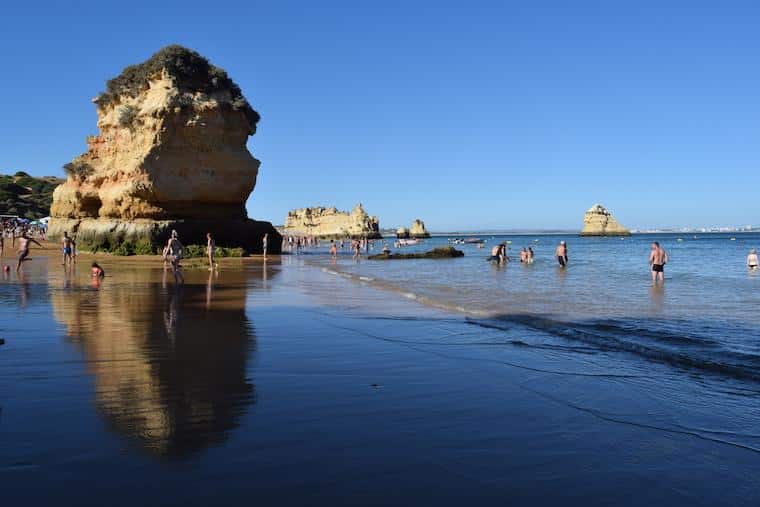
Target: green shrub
(79, 170)
(144, 247)
(191, 72)
(21, 174)
(229, 252)
(127, 115)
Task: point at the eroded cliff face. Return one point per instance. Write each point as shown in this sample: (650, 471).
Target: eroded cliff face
(171, 152)
(417, 230)
(332, 223)
(598, 221)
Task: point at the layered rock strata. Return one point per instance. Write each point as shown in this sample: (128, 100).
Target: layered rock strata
(332, 223)
(171, 154)
(598, 221)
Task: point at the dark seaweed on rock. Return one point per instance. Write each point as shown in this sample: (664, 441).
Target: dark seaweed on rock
(191, 72)
(442, 252)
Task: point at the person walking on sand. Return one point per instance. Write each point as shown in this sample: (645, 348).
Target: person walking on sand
(752, 262)
(174, 254)
(67, 247)
(211, 252)
(561, 253)
(658, 257)
(23, 248)
(264, 244)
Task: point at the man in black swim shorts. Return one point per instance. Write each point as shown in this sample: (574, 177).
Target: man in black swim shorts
(657, 259)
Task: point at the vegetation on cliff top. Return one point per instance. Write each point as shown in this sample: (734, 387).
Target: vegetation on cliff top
(27, 196)
(191, 72)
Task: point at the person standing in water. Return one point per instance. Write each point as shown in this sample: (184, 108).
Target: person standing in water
(264, 244)
(657, 259)
(211, 252)
(174, 254)
(68, 249)
(333, 249)
(752, 262)
(531, 255)
(561, 253)
(23, 248)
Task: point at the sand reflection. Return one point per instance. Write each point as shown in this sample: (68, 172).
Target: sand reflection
(169, 363)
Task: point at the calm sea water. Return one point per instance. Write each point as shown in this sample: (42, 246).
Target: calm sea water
(705, 316)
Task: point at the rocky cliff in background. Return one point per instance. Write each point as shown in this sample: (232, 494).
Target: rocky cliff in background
(598, 221)
(332, 223)
(417, 230)
(171, 154)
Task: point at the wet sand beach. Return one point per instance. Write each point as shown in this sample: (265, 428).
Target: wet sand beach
(281, 383)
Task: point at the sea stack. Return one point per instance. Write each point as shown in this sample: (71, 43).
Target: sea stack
(598, 221)
(402, 233)
(171, 154)
(417, 230)
(332, 223)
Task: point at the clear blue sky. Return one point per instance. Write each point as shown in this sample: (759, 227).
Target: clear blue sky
(467, 115)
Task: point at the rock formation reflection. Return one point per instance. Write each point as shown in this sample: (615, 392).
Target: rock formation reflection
(169, 363)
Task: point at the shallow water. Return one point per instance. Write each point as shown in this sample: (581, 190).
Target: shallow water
(705, 316)
(291, 385)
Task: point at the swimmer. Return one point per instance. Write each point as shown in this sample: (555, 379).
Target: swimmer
(531, 255)
(657, 260)
(752, 262)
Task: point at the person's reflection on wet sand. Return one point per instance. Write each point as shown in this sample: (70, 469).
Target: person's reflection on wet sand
(167, 375)
(210, 288)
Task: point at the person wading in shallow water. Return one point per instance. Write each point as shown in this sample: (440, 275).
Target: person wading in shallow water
(68, 248)
(657, 259)
(264, 244)
(23, 248)
(174, 254)
(561, 254)
(752, 262)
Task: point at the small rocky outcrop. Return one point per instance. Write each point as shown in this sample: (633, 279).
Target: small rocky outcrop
(442, 252)
(598, 221)
(402, 233)
(332, 223)
(417, 230)
(171, 154)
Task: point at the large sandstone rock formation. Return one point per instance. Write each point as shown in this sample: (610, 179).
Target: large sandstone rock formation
(332, 223)
(171, 154)
(598, 221)
(417, 230)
